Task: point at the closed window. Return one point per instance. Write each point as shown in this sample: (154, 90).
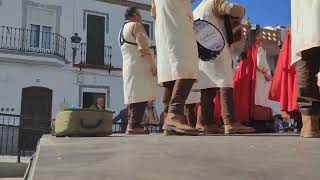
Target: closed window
(35, 36)
(40, 36)
(46, 37)
(147, 28)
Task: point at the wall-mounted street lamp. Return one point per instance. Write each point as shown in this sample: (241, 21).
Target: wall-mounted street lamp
(75, 40)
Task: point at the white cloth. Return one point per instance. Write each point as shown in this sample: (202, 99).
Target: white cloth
(262, 85)
(319, 79)
(176, 43)
(217, 73)
(138, 83)
(193, 98)
(305, 27)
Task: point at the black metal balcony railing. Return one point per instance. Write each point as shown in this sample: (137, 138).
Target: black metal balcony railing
(94, 58)
(25, 40)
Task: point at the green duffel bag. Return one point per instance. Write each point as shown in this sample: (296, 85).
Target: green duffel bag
(83, 122)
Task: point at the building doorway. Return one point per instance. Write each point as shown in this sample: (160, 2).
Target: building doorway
(95, 39)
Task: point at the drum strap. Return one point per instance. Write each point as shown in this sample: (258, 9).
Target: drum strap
(122, 40)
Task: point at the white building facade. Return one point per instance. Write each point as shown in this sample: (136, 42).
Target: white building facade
(39, 74)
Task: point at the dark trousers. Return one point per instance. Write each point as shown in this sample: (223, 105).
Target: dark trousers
(207, 105)
(136, 112)
(308, 94)
(176, 94)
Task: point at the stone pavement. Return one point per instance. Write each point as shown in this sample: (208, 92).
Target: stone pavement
(156, 157)
(10, 170)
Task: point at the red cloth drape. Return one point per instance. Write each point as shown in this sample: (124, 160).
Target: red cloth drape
(283, 87)
(244, 83)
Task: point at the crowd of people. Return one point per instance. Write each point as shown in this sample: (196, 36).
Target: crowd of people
(199, 82)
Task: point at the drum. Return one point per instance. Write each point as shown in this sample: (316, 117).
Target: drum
(209, 39)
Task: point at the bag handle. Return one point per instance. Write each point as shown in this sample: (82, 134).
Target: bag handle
(83, 125)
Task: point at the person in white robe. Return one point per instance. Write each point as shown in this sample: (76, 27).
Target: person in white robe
(177, 63)
(263, 79)
(305, 28)
(218, 73)
(139, 70)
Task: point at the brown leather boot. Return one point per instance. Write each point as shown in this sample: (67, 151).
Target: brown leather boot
(136, 130)
(209, 129)
(237, 128)
(310, 128)
(178, 124)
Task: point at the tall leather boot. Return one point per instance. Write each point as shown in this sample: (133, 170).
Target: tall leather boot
(237, 128)
(176, 120)
(227, 110)
(310, 128)
(207, 127)
(205, 121)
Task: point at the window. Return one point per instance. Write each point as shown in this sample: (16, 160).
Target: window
(46, 37)
(148, 25)
(91, 99)
(35, 36)
(147, 28)
(40, 35)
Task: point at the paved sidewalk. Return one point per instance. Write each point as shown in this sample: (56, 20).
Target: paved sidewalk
(156, 157)
(10, 170)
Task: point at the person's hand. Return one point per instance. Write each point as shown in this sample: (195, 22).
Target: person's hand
(238, 35)
(153, 69)
(268, 77)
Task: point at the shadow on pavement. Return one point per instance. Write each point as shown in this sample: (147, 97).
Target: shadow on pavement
(8, 169)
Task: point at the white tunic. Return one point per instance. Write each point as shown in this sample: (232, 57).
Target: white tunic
(262, 85)
(176, 43)
(217, 73)
(305, 27)
(138, 83)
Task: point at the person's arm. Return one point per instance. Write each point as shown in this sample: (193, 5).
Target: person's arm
(220, 7)
(262, 63)
(143, 43)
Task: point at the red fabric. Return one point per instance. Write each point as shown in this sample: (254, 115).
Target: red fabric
(217, 110)
(244, 83)
(283, 87)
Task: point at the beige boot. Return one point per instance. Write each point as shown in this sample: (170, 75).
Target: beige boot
(237, 128)
(136, 131)
(178, 124)
(310, 128)
(209, 129)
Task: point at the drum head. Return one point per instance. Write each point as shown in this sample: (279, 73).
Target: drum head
(209, 39)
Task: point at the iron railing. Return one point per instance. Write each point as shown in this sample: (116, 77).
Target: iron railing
(83, 58)
(9, 134)
(26, 40)
(17, 139)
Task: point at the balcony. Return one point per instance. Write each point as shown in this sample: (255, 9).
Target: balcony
(98, 57)
(32, 41)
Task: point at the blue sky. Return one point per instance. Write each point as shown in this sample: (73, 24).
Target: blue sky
(266, 13)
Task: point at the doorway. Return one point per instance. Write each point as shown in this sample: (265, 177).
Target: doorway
(95, 39)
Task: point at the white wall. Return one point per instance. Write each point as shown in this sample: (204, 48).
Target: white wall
(64, 80)
(16, 77)
(11, 13)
